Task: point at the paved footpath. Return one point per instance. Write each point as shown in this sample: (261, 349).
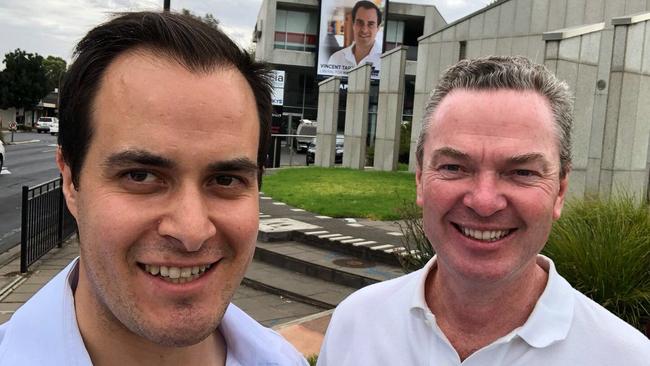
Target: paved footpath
(302, 324)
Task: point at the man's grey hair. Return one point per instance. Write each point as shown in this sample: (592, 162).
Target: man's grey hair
(506, 72)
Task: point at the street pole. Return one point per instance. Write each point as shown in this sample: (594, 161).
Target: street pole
(166, 6)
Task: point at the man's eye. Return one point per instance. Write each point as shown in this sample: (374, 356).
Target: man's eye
(141, 176)
(524, 173)
(224, 180)
(450, 168)
(227, 180)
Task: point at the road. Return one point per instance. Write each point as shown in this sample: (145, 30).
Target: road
(28, 163)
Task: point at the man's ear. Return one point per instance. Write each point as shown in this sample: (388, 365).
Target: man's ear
(69, 190)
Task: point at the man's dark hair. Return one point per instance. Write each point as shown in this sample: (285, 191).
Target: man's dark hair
(197, 46)
(366, 5)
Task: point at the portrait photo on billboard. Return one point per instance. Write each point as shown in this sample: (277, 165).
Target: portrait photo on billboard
(351, 34)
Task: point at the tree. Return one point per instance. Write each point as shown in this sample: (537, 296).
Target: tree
(55, 68)
(23, 82)
(207, 18)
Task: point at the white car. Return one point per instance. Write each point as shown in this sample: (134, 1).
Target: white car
(2, 154)
(43, 124)
(54, 128)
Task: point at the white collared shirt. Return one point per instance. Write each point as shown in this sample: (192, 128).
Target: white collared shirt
(44, 331)
(389, 323)
(345, 57)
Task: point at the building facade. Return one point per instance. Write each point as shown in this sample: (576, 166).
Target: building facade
(286, 36)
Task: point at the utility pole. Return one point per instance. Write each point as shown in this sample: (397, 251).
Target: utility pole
(166, 5)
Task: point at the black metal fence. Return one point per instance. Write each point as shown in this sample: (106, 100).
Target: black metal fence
(46, 221)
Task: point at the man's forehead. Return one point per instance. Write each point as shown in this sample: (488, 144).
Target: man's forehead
(367, 14)
(143, 91)
(464, 101)
(493, 118)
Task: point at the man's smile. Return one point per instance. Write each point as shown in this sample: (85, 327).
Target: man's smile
(175, 274)
(483, 234)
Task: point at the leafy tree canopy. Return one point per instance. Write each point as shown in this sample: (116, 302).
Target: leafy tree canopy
(55, 68)
(23, 82)
(207, 18)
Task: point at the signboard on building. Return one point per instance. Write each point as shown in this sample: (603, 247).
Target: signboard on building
(351, 34)
(278, 87)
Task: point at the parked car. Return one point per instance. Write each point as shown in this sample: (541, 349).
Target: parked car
(54, 128)
(43, 124)
(307, 130)
(338, 157)
(2, 154)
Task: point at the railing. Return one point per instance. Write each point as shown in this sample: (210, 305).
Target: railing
(46, 221)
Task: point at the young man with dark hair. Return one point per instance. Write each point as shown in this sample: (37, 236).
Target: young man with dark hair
(164, 127)
(366, 18)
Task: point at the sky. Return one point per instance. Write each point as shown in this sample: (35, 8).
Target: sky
(53, 27)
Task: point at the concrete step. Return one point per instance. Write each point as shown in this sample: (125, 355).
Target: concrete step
(327, 265)
(294, 285)
(336, 235)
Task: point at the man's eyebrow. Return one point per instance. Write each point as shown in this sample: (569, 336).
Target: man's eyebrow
(140, 157)
(530, 158)
(449, 152)
(244, 165)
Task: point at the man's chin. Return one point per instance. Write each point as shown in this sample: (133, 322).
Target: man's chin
(177, 336)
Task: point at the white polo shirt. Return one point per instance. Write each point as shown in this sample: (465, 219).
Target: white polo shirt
(345, 57)
(44, 331)
(389, 323)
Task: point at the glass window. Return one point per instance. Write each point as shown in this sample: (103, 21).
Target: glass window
(295, 30)
(395, 31)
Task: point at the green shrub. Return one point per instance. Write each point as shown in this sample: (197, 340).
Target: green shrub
(603, 249)
(419, 250)
(405, 142)
(370, 155)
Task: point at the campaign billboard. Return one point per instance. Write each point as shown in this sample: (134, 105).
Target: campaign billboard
(351, 34)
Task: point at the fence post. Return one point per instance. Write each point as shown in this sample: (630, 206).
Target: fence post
(23, 232)
(59, 233)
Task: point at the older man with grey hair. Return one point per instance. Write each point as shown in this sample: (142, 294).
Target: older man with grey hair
(493, 161)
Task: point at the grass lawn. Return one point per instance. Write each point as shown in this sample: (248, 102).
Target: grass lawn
(339, 192)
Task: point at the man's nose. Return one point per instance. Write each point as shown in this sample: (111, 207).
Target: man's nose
(485, 196)
(187, 219)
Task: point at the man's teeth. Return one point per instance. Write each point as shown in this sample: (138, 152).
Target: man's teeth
(490, 235)
(177, 274)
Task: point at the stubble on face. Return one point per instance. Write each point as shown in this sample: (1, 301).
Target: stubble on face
(191, 200)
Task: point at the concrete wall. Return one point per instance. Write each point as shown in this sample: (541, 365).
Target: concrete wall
(389, 109)
(356, 117)
(512, 27)
(625, 161)
(328, 106)
(608, 69)
(573, 54)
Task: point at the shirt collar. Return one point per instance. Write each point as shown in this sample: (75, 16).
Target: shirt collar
(550, 320)
(552, 316)
(418, 300)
